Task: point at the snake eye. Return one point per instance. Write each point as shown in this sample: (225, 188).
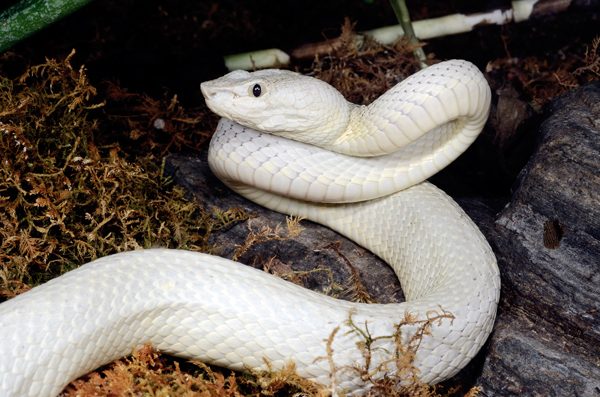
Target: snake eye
(256, 90)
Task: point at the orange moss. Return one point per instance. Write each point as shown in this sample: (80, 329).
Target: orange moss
(148, 373)
(363, 71)
(68, 192)
(543, 79)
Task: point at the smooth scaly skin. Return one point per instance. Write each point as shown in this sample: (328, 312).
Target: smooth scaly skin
(209, 308)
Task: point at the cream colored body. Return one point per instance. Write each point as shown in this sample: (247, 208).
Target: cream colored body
(209, 308)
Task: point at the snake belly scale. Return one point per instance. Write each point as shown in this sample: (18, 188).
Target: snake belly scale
(294, 145)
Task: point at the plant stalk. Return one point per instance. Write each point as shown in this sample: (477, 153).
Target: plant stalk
(403, 16)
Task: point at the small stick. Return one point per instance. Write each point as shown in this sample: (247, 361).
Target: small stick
(403, 17)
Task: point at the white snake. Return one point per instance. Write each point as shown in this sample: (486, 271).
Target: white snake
(209, 308)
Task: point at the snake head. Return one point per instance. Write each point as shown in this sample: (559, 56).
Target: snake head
(280, 102)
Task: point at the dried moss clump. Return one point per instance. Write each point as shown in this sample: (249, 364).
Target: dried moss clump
(65, 200)
(149, 374)
(363, 70)
(543, 79)
(397, 376)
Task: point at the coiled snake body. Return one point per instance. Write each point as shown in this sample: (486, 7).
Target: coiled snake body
(210, 308)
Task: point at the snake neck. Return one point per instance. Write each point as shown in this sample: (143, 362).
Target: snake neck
(360, 136)
(332, 127)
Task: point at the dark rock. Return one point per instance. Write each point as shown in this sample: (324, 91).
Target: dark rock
(529, 358)
(547, 336)
(547, 241)
(509, 113)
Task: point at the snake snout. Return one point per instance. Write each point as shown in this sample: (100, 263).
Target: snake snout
(207, 90)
